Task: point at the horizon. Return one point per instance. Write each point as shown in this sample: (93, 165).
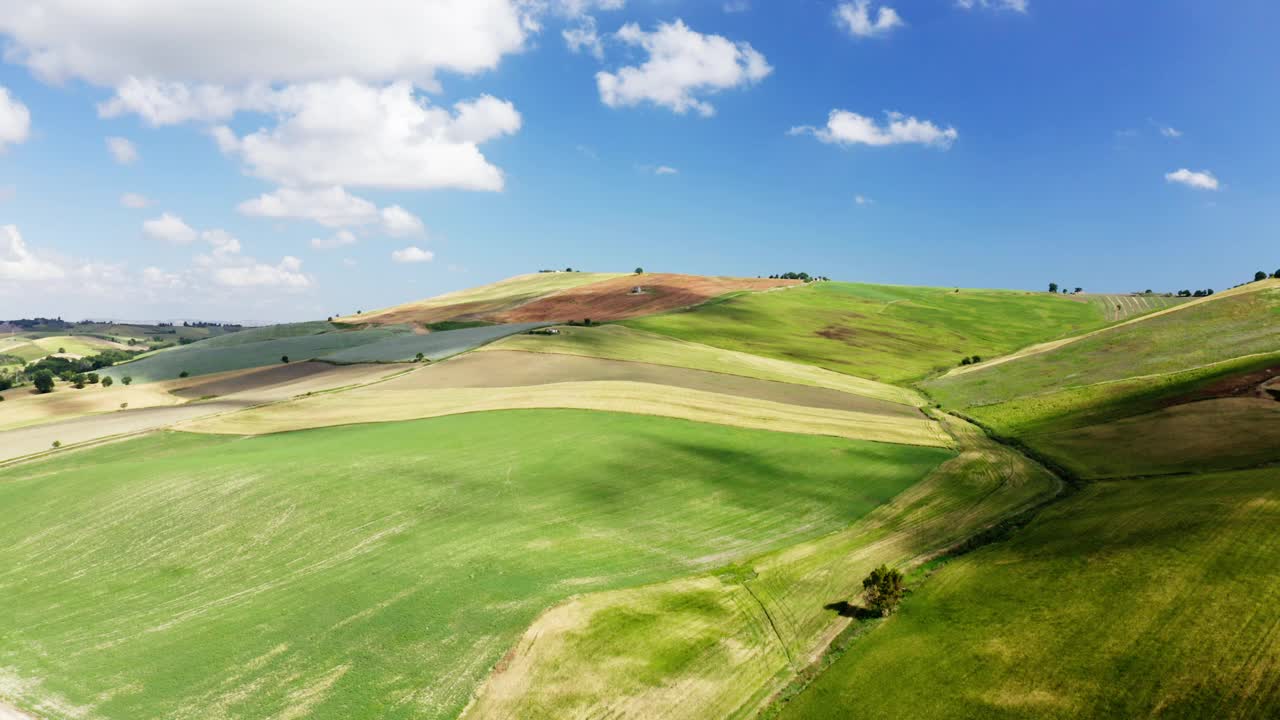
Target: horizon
(153, 167)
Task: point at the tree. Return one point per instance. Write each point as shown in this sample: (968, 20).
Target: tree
(183, 374)
(93, 378)
(77, 382)
(1079, 290)
(1053, 287)
(62, 351)
(883, 589)
(44, 381)
(966, 361)
(1277, 275)
(418, 357)
(107, 382)
(126, 379)
(639, 271)
(587, 322)
(1256, 277)
(975, 359)
(284, 359)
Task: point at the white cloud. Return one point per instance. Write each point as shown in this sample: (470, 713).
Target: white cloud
(575, 8)
(339, 239)
(122, 150)
(398, 222)
(665, 170)
(855, 18)
(1014, 5)
(154, 277)
(584, 37)
(1202, 180)
(331, 207)
(412, 254)
(17, 263)
(683, 65)
(1170, 132)
(348, 133)
(169, 228)
(848, 128)
(863, 200)
(287, 274)
(170, 103)
(15, 120)
(134, 201)
(224, 243)
(241, 42)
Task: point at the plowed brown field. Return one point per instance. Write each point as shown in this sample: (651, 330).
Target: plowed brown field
(614, 299)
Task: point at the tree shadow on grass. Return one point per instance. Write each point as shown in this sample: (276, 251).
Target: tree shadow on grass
(844, 609)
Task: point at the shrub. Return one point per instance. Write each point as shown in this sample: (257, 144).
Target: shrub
(62, 351)
(57, 444)
(1256, 277)
(284, 359)
(126, 380)
(124, 405)
(92, 378)
(183, 374)
(966, 361)
(43, 381)
(418, 357)
(107, 382)
(883, 590)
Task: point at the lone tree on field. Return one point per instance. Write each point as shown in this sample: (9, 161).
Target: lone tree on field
(183, 374)
(1259, 276)
(1277, 275)
(43, 381)
(639, 271)
(883, 590)
(106, 382)
(418, 357)
(1053, 287)
(284, 359)
(126, 379)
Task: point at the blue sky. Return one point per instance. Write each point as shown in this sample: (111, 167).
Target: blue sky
(1038, 141)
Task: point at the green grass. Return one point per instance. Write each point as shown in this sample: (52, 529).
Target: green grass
(886, 333)
(1209, 332)
(1117, 308)
(433, 346)
(378, 571)
(1132, 599)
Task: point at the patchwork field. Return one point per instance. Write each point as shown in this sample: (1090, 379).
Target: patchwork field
(193, 576)
(1134, 598)
(617, 299)
(480, 301)
(618, 342)
(1123, 307)
(720, 644)
(880, 332)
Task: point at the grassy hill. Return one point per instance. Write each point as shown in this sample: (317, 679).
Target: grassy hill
(881, 332)
(378, 571)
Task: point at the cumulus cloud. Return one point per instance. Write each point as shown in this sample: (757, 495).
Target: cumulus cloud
(331, 207)
(412, 254)
(157, 278)
(1014, 5)
(15, 120)
(19, 264)
(849, 128)
(348, 133)
(665, 170)
(223, 243)
(169, 228)
(682, 67)
(1170, 132)
(398, 222)
(1201, 180)
(134, 201)
(122, 150)
(169, 102)
(339, 239)
(855, 18)
(286, 274)
(240, 42)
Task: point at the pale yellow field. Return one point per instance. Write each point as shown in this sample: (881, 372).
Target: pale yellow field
(615, 342)
(402, 399)
(571, 663)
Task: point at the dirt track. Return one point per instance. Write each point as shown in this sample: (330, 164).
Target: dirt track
(614, 299)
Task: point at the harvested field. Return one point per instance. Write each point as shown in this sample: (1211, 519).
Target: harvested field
(1122, 307)
(515, 369)
(1208, 435)
(415, 395)
(238, 391)
(473, 303)
(378, 571)
(614, 299)
(702, 647)
(23, 406)
(618, 342)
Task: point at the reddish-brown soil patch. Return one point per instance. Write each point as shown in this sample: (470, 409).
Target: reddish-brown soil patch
(616, 300)
(1250, 384)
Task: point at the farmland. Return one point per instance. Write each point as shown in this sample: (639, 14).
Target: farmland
(377, 584)
(880, 332)
(1135, 598)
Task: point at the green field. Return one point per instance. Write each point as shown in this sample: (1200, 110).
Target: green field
(378, 571)
(882, 332)
(1138, 598)
(1209, 332)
